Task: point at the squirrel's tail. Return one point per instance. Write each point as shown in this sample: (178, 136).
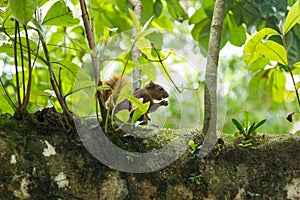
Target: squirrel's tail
(116, 83)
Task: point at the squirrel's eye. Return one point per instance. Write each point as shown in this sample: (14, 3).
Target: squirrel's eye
(160, 88)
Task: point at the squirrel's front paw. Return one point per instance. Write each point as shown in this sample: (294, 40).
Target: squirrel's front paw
(164, 103)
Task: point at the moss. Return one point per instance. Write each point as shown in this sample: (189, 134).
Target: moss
(267, 169)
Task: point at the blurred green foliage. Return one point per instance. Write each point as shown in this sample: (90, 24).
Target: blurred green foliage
(178, 21)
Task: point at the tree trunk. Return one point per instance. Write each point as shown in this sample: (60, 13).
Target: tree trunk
(211, 75)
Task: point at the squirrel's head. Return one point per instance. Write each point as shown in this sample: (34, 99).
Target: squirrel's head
(158, 92)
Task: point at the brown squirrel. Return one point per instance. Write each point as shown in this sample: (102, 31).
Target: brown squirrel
(150, 92)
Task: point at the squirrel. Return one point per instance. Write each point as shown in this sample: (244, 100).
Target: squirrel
(149, 93)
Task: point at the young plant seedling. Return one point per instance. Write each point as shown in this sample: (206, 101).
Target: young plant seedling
(247, 130)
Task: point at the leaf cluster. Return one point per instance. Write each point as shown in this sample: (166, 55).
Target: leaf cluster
(245, 128)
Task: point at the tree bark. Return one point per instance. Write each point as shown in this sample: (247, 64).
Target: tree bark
(136, 73)
(211, 75)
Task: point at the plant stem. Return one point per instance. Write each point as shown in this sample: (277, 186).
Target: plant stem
(294, 83)
(53, 81)
(16, 64)
(89, 30)
(289, 67)
(28, 89)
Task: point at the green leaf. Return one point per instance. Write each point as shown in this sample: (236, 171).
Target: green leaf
(277, 84)
(251, 48)
(273, 51)
(237, 33)
(293, 17)
(251, 129)
(162, 22)
(23, 9)
(258, 88)
(144, 46)
(125, 93)
(201, 13)
(297, 64)
(246, 120)
(143, 34)
(192, 145)
(176, 11)
(140, 110)
(140, 105)
(237, 124)
(59, 15)
(157, 8)
(135, 19)
(147, 24)
(259, 124)
(289, 94)
(123, 115)
(259, 64)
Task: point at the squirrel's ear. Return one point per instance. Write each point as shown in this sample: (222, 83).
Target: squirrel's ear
(151, 82)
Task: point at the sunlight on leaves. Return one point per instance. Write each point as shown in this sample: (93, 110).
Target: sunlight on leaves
(252, 46)
(59, 15)
(293, 17)
(23, 9)
(273, 51)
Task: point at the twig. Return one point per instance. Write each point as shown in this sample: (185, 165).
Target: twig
(90, 37)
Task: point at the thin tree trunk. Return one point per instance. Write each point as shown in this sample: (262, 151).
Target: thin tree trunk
(136, 74)
(210, 95)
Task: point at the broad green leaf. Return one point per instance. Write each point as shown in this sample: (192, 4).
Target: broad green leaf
(251, 48)
(135, 19)
(59, 15)
(140, 110)
(297, 64)
(5, 105)
(258, 88)
(123, 115)
(293, 17)
(125, 93)
(74, 71)
(199, 27)
(289, 94)
(276, 83)
(157, 8)
(144, 46)
(143, 34)
(273, 51)
(162, 22)
(203, 12)
(140, 105)
(23, 9)
(259, 64)
(176, 10)
(237, 33)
